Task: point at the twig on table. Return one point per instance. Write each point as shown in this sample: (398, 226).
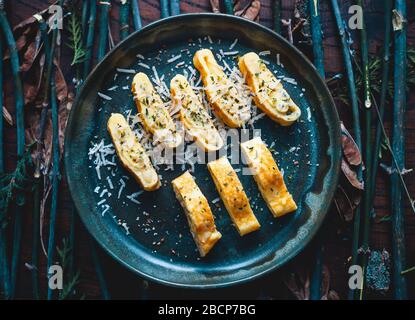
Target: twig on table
(135, 10)
(90, 38)
(367, 207)
(4, 264)
(19, 107)
(103, 29)
(164, 8)
(99, 271)
(276, 15)
(398, 147)
(316, 33)
(356, 121)
(124, 17)
(383, 93)
(228, 6)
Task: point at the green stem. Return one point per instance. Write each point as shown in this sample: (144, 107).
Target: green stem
(54, 175)
(124, 17)
(174, 7)
(135, 10)
(317, 38)
(164, 8)
(383, 94)
(55, 159)
(90, 38)
(316, 33)
(5, 271)
(368, 142)
(35, 239)
(356, 121)
(103, 30)
(84, 18)
(276, 15)
(228, 6)
(99, 271)
(19, 103)
(398, 147)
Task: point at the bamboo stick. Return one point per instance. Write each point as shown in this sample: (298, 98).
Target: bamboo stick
(384, 91)
(90, 38)
(356, 122)
(174, 7)
(316, 33)
(5, 271)
(86, 69)
(99, 271)
(164, 8)
(54, 176)
(398, 147)
(228, 6)
(55, 157)
(124, 17)
(276, 15)
(84, 17)
(103, 29)
(19, 103)
(368, 143)
(135, 10)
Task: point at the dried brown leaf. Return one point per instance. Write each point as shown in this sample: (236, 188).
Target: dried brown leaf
(351, 175)
(350, 149)
(215, 6)
(346, 201)
(30, 55)
(7, 116)
(298, 282)
(248, 9)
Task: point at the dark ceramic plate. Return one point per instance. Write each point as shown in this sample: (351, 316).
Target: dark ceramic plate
(152, 237)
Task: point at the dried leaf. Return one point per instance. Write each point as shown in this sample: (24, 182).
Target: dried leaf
(215, 6)
(65, 100)
(299, 284)
(351, 175)
(346, 200)
(7, 116)
(248, 9)
(350, 149)
(30, 54)
(398, 20)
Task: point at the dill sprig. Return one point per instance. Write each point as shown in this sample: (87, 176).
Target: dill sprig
(70, 281)
(13, 182)
(339, 90)
(75, 38)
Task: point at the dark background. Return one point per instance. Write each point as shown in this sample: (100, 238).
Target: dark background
(124, 284)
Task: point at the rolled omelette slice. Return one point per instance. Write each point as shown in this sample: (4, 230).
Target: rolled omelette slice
(233, 196)
(194, 116)
(221, 92)
(269, 94)
(154, 115)
(268, 177)
(132, 155)
(198, 213)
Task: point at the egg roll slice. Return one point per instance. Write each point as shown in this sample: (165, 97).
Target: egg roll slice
(194, 116)
(269, 93)
(154, 115)
(233, 196)
(131, 153)
(221, 92)
(198, 213)
(268, 177)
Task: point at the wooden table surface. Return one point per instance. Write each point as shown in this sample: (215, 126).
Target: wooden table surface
(124, 284)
